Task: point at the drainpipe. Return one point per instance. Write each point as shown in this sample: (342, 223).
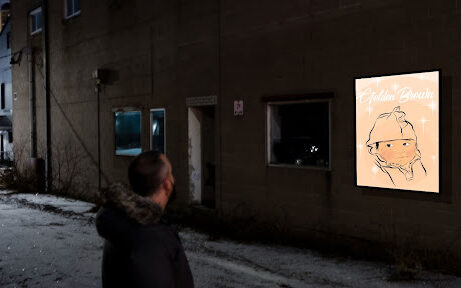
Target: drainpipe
(46, 80)
(32, 107)
(100, 77)
(219, 109)
(97, 90)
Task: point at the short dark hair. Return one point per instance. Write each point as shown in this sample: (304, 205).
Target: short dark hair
(145, 172)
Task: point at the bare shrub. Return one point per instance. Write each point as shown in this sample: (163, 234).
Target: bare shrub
(18, 177)
(402, 250)
(407, 262)
(69, 172)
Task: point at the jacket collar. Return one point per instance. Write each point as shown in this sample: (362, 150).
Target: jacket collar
(140, 209)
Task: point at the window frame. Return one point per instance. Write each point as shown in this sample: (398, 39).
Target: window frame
(164, 127)
(2, 96)
(30, 15)
(74, 13)
(114, 111)
(268, 133)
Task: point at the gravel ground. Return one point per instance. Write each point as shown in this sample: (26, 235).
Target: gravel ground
(52, 242)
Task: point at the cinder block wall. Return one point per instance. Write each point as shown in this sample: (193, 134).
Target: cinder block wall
(165, 51)
(309, 46)
(136, 42)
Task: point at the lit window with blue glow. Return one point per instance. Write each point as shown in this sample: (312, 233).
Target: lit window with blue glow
(157, 118)
(128, 133)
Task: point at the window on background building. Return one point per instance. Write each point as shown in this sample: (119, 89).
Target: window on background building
(72, 8)
(128, 133)
(2, 92)
(157, 121)
(299, 134)
(8, 40)
(35, 19)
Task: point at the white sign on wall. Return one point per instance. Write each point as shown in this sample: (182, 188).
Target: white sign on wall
(238, 108)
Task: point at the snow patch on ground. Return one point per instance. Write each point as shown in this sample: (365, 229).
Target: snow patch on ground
(49, 203)
(42, 249)
(63, 204)
(295, 267)
(39, 249)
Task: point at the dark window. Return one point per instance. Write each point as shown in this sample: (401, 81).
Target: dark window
(10, 137)
(157, 117)
(299, 134)
(8, 40)
(128, 133)
(35, 19)
(2, 91)
(2, 148)
(72, 8)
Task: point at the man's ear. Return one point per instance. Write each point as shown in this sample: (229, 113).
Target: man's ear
(167, 184)
(164, 185)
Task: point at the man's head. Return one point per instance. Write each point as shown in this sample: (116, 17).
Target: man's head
(150, 175)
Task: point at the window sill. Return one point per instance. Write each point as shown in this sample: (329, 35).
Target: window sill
(125, 155)
(6, 112)
(129, 153)
(35, 32)
(68, 19)
(326, 169)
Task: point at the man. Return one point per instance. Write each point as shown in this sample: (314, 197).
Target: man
(141, 250)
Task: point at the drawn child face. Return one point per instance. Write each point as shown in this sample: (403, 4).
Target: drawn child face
(397, 152)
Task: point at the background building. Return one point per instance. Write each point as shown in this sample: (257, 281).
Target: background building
(6, 100)
(208, 81)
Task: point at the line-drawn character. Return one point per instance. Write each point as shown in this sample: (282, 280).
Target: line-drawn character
(393, 143)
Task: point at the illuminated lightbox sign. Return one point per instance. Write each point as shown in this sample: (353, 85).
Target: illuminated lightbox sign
(397, 131)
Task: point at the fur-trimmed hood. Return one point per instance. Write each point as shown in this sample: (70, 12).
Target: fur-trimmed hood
(140, 249)
(139, 209)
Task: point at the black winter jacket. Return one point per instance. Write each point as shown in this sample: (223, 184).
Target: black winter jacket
(140, 249)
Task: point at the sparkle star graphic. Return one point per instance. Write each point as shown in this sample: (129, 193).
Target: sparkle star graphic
(395, 86)
(423, 122)
(432, 106)
(360, 147)
(369, 109)
(374, 170)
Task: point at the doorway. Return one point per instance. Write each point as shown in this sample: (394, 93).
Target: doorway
(202, 162)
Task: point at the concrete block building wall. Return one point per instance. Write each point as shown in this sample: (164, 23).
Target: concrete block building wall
(164, 52)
